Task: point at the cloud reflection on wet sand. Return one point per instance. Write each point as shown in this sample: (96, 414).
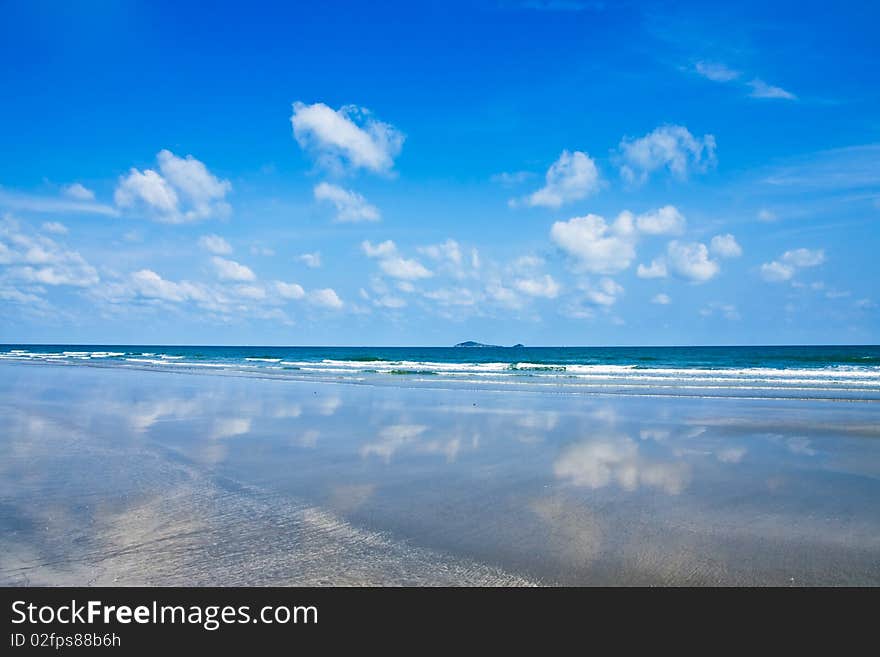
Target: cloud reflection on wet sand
(134, 477)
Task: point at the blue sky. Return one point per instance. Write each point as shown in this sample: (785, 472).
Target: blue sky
(555, 172)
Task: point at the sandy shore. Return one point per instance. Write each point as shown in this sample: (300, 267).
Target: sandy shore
(126, 477)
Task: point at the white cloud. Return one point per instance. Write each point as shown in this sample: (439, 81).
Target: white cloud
(716, 72)
(503, 295)
(78, 192)
(55, 227)
(311, 260)
(148, 284)
(785, 268)
(289, 290)
(725, 246)
(405, 268)
(572, 177)
(255, 292)
(452, 296)
(596, 246)
(149, 187)
(450, 258)
(661, 299)
(766, 215)
(804, 257)
(389, 301)
(215, 244)
(326, 298)
(183, 190)
(382, 250)
(527, 263)
(541, 286)
(393, 264)
(448, 250)
(664, 221)
(691, 261)
(229, 270)
(761, 89)
(349, 136)
(350, 206)
(776, 272)
(671, 147)
(603, 293)
(657, 269)
(39, 260)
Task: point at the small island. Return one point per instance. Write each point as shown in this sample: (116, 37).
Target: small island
(471, 343)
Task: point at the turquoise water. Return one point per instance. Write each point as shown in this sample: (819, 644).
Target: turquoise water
(810, 372)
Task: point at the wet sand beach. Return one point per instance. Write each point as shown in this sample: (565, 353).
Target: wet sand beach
(129, 477)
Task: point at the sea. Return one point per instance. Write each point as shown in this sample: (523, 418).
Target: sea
(833, 373)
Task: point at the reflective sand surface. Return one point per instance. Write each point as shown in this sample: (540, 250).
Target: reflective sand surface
(127, 477)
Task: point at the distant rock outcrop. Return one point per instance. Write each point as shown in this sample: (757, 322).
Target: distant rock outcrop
(471, 343)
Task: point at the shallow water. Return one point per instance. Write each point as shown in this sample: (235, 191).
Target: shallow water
(112, 475)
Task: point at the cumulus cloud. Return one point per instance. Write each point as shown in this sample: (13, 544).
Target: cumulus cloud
(405, 268)
(691, 261)
(540, 286)
(661, 299)
(452, 296)
(776, 272)
(452, 259)
(670, 147)
(804, 257)
(761, 89)
(229, 270)
(182, 190)
(350, 206)
(657, 269)
(39, 260)
(664, 221)
(449, 251)
(382, 250)
(349, 137)
(766, 215)
(215, 244)
(716, 72)
(572, 177)
(393, 264)
(311, 260)
(148, 284)
(725, 246)
(78, 192)
(596, 246)
(603, 293)
(289, 290)
(785, 268)
(325, 298)
(389, 301)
